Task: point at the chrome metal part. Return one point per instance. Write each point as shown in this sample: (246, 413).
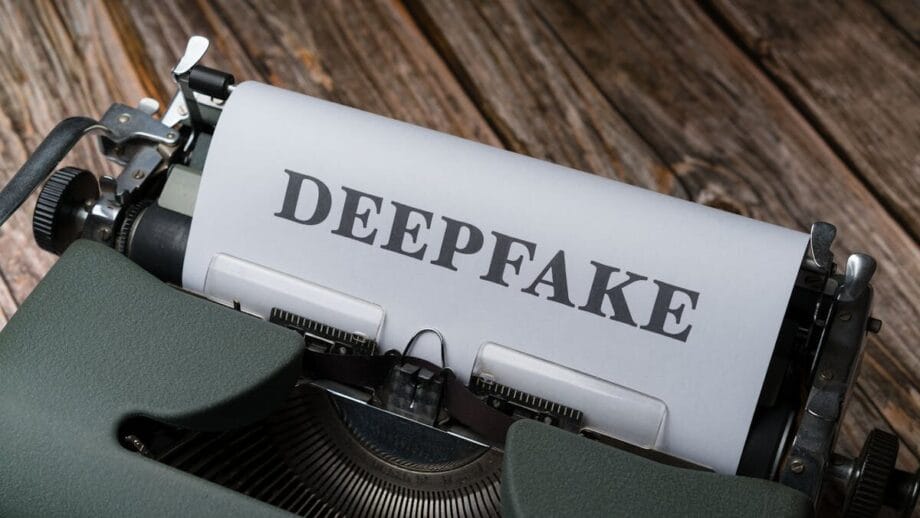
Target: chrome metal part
(144, 163)
(322, 337)
(422, 332)
(195, 108)
(100, 221)
(149, 106)
(810, 454)
(822, 237)
(125, 123)
(522, 404)
(176, 112)
(195, 49)
(860, 269)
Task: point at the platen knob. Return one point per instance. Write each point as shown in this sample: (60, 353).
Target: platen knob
(871, 473)
(62, 207)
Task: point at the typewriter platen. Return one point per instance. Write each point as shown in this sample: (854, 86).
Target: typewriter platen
(372, 432)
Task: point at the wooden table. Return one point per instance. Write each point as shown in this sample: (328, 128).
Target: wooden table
(786, 113)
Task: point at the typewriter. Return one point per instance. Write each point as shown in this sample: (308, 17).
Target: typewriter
(124, 394)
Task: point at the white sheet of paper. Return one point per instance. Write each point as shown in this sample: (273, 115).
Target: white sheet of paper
(742, 270)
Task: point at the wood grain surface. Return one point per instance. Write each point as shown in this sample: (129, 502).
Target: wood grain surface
(855, 77)
(788, 113)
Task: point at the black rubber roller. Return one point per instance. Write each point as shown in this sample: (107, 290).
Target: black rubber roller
(210, 82)
(155, 238)
(62, 207)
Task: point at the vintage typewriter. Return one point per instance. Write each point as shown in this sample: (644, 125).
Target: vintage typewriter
(123, 394)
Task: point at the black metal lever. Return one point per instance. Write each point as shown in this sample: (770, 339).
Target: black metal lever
(42, 162)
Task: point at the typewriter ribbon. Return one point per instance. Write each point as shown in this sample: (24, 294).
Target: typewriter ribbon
(669, 306)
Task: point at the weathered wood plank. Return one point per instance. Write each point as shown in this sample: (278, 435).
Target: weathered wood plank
(8, 304)
(536, 96)
(905, 14)
(728, 132)
(369, 55)
(58, 60)
(856, 76)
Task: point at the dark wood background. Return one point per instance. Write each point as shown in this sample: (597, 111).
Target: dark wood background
(788, 112)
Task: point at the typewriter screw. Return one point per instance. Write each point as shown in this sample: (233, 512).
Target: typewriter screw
(826, 375)
(846, 316)
(135, 443)
(874, 325)
(797, 466)
(124, 118)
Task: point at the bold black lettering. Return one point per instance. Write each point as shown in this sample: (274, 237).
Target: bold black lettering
(450, 244)
(559, 281)
(599, 292)
(401, 229)
(501, 259)
(662, 309)
(350, 214)
(292, 197)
